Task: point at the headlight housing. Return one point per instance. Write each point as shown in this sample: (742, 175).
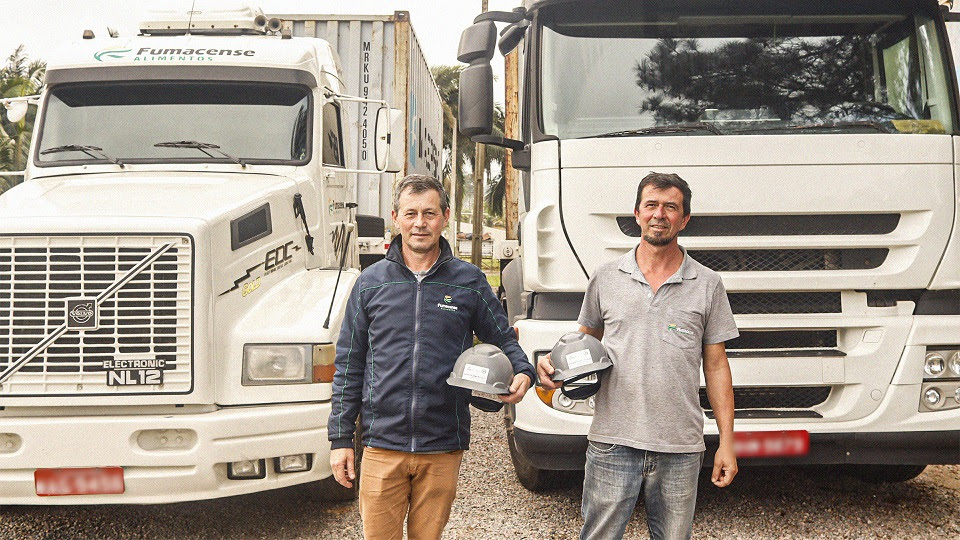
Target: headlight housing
(268, 364)
(940, 390)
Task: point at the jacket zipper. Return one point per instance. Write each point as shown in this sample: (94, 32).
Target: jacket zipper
(416, 348)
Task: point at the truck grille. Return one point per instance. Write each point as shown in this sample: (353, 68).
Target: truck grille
(779, 225)
(770, 260)
(773, 397)
(147, 318)
(775, 303)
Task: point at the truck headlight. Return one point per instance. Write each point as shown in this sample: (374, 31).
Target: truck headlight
(954, 364)
(934, 364)
(277, 364)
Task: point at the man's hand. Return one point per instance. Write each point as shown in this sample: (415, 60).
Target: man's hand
(724, 466)
(341, 461)
(545, 371)
(519, 387)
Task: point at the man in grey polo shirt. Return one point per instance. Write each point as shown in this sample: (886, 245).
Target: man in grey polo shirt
(658, 312)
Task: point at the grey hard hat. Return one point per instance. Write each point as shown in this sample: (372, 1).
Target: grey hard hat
(576, 356)
(484, 369)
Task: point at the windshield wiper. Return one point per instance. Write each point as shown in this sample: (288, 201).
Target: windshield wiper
(658, 130)
(93, 151)
(834, 125)
(203, 147)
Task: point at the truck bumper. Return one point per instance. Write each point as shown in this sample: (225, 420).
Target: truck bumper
(567, 452)
(166, 475)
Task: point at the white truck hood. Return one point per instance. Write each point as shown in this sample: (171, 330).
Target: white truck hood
(148, 195)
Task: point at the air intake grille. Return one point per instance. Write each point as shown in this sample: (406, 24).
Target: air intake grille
(770, 260)
(773, 397)
(771, 303)
(147, 319)
(784, 339)
(767, 225)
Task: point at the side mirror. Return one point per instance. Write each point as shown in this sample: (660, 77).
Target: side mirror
(16, 110)
(387, 151)
(477, 45)
(511, 36)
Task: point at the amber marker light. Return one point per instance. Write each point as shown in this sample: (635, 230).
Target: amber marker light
(323, 367)
(545, 395)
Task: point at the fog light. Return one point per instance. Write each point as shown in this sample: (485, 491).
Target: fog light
(167, 439)
(955, 363)
(294, 463)
(251, 469)
(591, 403)
(956, 395)
(564, 401)
(934, 364)
(932, 396)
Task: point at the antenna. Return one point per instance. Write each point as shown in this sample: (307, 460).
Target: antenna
(190, 21)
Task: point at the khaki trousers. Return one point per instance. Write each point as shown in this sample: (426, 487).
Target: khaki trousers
(391, 483)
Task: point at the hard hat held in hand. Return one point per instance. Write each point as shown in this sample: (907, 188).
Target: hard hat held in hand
(486, 371)
(578, 356)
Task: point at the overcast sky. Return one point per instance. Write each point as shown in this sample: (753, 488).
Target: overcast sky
(42, 25)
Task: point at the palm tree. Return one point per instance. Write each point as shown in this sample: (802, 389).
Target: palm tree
(448, 81)
(19, 77)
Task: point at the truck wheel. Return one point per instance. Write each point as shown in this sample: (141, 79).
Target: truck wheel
(885, 474)
(529, 476)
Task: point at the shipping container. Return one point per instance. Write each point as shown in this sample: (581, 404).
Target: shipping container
(382, 59)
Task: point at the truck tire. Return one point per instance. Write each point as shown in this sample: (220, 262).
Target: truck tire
(530, 477)
(885, 474)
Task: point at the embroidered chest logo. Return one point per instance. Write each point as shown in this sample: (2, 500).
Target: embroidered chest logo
(446, 306)
(677, 329)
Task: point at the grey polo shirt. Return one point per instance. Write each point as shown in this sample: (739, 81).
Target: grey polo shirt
(649, 399)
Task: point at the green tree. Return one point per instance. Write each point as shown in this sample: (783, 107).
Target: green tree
(448, 82)
(19, 77)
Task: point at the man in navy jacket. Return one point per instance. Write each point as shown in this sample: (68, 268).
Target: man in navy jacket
(408, 318)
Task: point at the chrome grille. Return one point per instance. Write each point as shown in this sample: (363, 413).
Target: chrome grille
(148, 318)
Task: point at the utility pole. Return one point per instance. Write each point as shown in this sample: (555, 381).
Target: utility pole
(476, 246)
(511, 130)
(455, 173)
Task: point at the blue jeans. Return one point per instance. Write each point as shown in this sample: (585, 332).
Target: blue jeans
(616, 475)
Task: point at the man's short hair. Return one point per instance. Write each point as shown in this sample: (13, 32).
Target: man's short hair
(664, 181)
(418, 183)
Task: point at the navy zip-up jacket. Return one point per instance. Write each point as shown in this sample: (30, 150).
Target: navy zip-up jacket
(398, 344)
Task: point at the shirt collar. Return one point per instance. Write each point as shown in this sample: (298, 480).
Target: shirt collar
(628, 264)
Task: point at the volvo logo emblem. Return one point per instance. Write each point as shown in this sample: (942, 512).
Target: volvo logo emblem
(81, 314)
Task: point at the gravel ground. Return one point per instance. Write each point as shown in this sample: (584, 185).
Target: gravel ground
(762, 503)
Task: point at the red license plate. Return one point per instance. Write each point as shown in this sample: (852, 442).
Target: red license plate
(88, 481)
(771, 443)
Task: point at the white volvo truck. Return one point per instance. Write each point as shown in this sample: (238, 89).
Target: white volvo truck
(170, 269)
(821, 141)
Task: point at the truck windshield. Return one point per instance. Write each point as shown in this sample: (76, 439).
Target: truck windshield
(257, 123)
(748, 67)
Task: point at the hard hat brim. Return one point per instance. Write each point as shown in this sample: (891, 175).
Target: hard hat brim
(480, 387)
(596, 367)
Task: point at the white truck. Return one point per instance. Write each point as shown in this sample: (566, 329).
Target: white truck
(174, 268)
(822, 143)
